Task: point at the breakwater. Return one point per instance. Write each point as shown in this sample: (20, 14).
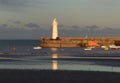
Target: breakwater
(69, 42)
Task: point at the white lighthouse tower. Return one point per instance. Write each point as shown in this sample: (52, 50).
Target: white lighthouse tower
(54, 29)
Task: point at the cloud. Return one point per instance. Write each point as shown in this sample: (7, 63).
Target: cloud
(60, 26)
(106, 2)
(93, 27)
(75, 27)
(12, 3)
(20, 25)
(12, 32)
(90, 31)
(17, 22)
(4, 25)
(32, 26)
(34, 31)
(22, 5)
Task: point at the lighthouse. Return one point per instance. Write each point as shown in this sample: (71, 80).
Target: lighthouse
(54, 29)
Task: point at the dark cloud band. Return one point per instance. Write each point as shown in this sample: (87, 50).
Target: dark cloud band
(11, 3)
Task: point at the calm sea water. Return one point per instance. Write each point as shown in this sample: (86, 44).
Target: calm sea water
(20, 45)
(25, 57)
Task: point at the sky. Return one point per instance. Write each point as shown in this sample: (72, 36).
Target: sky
(31, 19)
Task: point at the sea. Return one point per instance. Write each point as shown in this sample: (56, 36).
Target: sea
(19, 54)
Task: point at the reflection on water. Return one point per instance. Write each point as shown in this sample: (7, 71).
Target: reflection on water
(54, 49)
(54, 57)
(61, 59)
(76, 63)
(54, 61)
(55, 65)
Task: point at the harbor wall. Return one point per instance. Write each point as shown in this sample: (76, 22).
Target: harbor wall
(69, 42)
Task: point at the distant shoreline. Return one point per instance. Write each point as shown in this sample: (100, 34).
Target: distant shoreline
(59, 76)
